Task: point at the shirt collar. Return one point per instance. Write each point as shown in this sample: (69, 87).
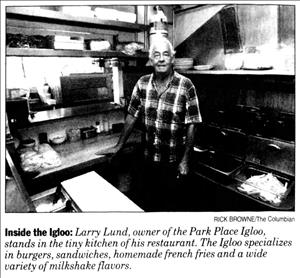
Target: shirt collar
(173, 73)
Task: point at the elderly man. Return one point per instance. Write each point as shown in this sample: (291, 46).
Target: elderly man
(167, 105)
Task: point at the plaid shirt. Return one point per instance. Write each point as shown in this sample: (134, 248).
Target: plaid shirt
(165, 116)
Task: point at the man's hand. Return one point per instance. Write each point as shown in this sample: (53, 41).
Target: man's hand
(113, 151)
(183, 168)
(112, 154)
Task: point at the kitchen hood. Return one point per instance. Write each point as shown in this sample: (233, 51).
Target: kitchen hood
(187, 22)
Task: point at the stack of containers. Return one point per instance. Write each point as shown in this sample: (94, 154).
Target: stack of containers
(183, 63)
(68, 42)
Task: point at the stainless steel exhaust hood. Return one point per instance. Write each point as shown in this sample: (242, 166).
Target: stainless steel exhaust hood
(189, 20)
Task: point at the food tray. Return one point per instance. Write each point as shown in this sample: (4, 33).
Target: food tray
(54, 200)
(247, 172)
(49, 200)
(216, 161)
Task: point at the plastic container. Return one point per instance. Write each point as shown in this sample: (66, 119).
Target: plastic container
(99, 45)
(98, 127)
(233, 61)
(106, 124)
(28, 143)
(73, 134)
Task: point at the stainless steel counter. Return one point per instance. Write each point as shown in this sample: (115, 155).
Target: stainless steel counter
(82, 154)
(75, 158)
(62, 113)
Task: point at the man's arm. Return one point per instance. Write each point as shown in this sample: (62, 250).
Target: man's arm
(128, 127)
(183, 167)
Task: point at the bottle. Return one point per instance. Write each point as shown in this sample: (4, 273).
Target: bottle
(105, 124)
(98, 130)
(8, 135)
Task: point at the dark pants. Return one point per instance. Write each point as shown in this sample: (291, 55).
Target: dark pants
(154, 186)
(159, 187)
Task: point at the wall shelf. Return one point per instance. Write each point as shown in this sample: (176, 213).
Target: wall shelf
(42, 15)
(239, 72)
(36, 20)
(39, 52)
(71, 112)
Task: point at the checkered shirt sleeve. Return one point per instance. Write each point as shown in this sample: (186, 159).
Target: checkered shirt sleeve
(193, 114)
(134, 106)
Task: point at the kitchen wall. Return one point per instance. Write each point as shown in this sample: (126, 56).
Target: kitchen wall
(35, 71)
(274, 24)
(61, 126)
(28, 72)
(267, 28)
(271, 30)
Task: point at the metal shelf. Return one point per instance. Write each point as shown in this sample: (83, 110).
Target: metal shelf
(39, 52)
(239, 72)
(36, 14)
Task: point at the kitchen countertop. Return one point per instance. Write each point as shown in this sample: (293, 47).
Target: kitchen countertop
(75, 156)
(81, 155)
(78, 155)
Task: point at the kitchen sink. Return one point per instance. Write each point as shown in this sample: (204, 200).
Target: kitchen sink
(221, 163)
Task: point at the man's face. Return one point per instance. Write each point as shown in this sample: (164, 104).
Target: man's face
(161, 58)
